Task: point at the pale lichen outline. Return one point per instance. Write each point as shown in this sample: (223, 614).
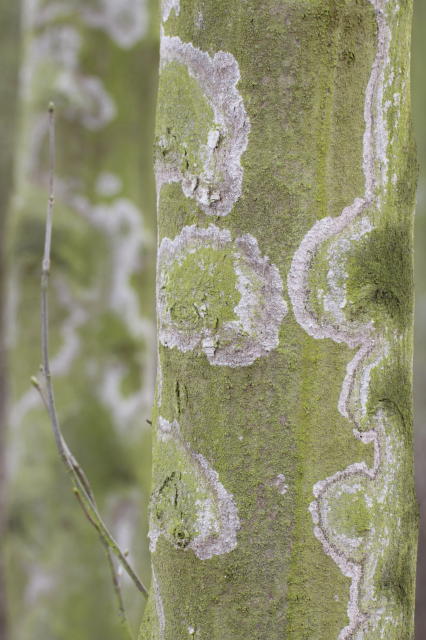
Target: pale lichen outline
(371, 344)
(120, 220)
(218, 187)
(216, 536)
(167, 6)
(107, 15)
(260, 310)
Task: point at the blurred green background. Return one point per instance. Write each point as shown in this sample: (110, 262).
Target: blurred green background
(57, 582)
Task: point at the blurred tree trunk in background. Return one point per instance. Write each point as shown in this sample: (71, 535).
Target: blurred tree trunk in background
(283, 502)
(9, 56)
(97, 60)
(419, 112)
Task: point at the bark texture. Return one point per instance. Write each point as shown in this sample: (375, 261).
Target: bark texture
(419, 107)
(98, 62)
(283, 502)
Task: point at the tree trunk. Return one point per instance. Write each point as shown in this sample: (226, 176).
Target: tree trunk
(419, 110)
(98, 61)
(283, 502)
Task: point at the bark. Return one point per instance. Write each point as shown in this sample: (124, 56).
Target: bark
(419, 105)
(283, 503)
(98, 62)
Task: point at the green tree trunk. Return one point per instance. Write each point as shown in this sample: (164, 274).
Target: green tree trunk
(283, 502)
(98, 61)
(419, 110)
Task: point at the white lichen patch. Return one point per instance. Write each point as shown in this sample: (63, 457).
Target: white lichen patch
(87, 100)
(338, 328)
(219, 185)
(122, 223)
(125, 21)
(122, 407)
(190, 507)
(57, 47)
(108, 185)
(123, 511)
(40, 583)
(167, 6)
(56, 52)
(60, 365)
(355, 509)
(334, 299)
(77, 316)
(358, 545)
(251, 330)
(280, 483)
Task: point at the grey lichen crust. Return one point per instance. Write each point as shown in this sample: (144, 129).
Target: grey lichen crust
(359, 545)
(59, 47)
(218, 186)
(125, 21)
(190, 506)
(229, 335)
(167, 6)
(355, 510)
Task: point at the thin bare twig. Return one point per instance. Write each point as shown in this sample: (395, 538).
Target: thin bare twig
(114, 574)
(81, 485)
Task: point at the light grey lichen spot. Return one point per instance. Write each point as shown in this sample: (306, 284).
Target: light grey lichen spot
(40, 584)
(167, 6)
(122, 222)
(199, 20)
(125, 21)
(233, 327)
(352, 512)
(280, 483)
(219, 185)
(108, 184)
(190, 507)
(85, 98)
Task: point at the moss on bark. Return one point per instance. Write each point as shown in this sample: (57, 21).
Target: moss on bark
(299, 435)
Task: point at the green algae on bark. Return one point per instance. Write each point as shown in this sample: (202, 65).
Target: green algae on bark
(311, 437)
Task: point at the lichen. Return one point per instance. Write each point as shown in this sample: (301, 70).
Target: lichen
(216, 184)
(189, 506)
(359, 309)
(106, 385)
(305, 72)
(235, 316)
(167, 6)
(125, 21)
